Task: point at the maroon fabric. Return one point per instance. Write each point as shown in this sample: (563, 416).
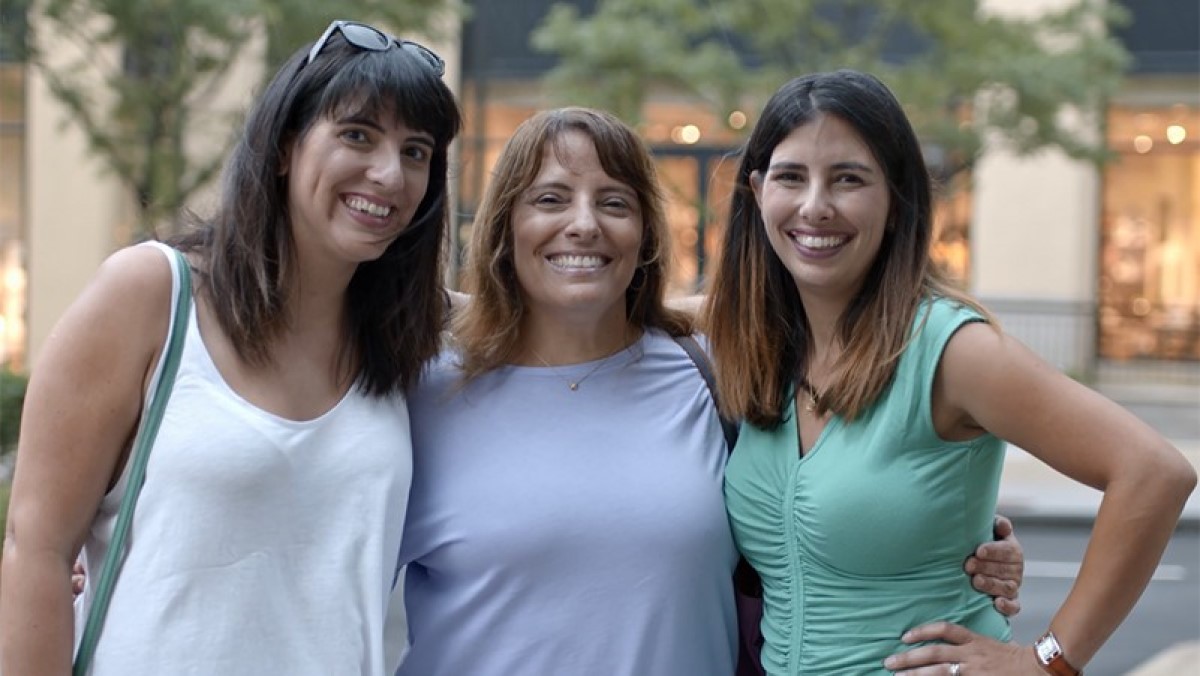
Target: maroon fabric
(750, 638)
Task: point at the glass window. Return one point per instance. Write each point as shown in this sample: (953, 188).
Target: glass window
(1150, 240)
(12, 192)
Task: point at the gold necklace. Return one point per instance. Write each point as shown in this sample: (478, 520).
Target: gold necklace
(573, 385)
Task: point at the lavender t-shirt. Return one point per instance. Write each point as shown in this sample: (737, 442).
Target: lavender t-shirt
(559, 531)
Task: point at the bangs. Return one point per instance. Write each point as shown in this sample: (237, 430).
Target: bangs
(393, 82)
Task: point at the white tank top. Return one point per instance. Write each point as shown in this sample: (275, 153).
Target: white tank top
(260, 545)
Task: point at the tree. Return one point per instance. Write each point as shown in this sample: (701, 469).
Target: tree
(960, 72)
(144, 87)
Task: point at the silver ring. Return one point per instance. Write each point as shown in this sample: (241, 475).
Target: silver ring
(955, 669)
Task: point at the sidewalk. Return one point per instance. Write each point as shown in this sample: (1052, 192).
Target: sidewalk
(1030, 489)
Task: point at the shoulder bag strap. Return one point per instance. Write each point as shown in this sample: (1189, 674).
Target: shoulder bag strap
(700, 359)
(147, 430)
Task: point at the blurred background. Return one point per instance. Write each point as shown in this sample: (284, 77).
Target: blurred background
(1064, 136)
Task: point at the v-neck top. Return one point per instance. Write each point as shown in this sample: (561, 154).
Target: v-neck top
(865, 535)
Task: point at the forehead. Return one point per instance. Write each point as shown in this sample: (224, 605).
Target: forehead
(570, 153)
(825, 139)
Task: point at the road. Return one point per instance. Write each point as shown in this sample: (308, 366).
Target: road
(1168, 612)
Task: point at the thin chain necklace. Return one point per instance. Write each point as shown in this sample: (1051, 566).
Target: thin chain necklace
(574, 386)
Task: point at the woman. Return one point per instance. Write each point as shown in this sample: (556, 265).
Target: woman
(265, 536)
(876, 399)
(566, 514)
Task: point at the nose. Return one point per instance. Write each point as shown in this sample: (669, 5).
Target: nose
(386, 170)
(817, 206)
(583, 223)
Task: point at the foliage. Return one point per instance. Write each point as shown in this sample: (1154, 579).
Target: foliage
(144, 82)
(12, 398)
(961, 73)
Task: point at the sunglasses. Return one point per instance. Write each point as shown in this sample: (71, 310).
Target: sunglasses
(372, 39)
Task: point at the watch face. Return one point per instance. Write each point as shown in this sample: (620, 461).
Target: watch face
(1047, 648)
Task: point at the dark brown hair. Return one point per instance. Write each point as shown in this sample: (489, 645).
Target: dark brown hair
(755, 320)
(396, 303)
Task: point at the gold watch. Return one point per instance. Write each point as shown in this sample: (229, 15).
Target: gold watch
(1050, 655)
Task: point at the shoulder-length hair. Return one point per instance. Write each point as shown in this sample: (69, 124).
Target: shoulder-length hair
(395, 305)
(757, 326)
(488, 327)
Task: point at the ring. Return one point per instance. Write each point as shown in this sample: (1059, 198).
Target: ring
(955, 669)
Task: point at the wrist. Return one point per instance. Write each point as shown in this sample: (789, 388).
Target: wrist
(1049, 656)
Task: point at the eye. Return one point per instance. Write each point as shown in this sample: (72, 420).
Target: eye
(547, 199)
(616, 204)
(788, 176)
(417, 151)
(355, 135)
(849, 179)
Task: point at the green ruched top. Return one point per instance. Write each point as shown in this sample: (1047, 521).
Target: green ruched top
(865, 536)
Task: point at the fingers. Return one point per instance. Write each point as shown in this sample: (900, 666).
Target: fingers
(929, 659)
(1007, 607)
(947, 632)
(1002, 527)
(995, 586)
(77, 579)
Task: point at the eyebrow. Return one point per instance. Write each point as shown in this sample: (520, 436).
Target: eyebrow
(837, 166)
(424, 138)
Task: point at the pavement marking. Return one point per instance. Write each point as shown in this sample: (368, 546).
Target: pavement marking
(1069, 570)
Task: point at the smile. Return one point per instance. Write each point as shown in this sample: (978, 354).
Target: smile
(819, 242)
(577, 261)
(366, 206)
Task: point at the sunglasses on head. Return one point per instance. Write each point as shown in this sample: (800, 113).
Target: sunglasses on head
(370, 38)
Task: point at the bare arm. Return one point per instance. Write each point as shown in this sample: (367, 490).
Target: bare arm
(83, 402)
(988, 381)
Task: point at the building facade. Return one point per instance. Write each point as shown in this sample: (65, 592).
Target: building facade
(1090, 266)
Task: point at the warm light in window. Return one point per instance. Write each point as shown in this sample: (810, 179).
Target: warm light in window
(686, 134)
(1143, 143)
(1176, 133)
(737, 119)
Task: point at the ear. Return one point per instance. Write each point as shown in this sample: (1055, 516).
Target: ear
(756, 184)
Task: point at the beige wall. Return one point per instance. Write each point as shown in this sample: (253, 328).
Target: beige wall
(1034, 229)
(72, 206)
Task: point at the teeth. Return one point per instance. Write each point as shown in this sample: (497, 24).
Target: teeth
(814, 242)
(577, 262)
(368, 207)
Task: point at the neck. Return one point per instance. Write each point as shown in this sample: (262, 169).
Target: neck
(560, 341)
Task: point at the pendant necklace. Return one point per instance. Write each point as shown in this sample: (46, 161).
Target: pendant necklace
(573, 385)
(813, 400)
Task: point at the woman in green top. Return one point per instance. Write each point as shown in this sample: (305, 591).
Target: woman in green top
(876, 398)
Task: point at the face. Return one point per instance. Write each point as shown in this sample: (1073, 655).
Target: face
(354, 184)
(577, 233)
(824, 202)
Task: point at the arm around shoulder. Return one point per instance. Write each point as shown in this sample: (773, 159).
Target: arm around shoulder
(81, 408)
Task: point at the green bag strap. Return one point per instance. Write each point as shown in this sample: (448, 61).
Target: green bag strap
(147, 430)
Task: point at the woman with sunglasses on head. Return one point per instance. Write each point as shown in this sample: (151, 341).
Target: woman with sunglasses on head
(567, 514)
(876, 399)
(265, 537)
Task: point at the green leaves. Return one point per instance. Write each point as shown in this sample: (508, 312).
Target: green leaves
(961, 73)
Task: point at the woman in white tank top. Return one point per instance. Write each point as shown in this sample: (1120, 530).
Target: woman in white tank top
(266, 535)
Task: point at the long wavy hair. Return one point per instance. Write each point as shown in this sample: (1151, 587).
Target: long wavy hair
(759, 331)
(487, 329)
(395, 305)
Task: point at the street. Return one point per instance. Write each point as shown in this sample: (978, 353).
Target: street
(1168, 612)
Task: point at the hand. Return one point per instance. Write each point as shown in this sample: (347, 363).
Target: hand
(974, 654)
(78, 576)
(998, 568)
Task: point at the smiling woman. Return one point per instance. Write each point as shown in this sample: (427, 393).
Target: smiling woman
(266, 532)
